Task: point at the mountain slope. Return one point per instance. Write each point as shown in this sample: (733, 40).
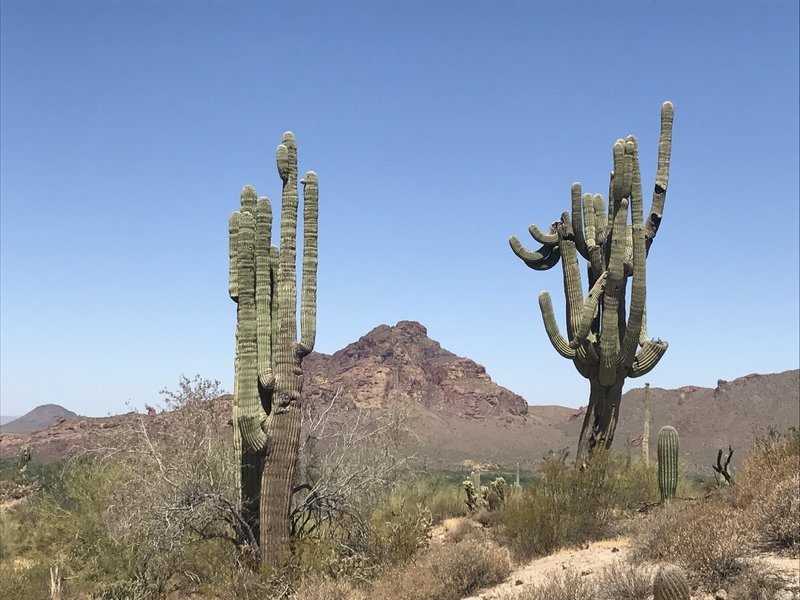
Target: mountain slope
(39, 418)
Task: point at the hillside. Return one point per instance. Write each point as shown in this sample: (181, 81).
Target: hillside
(39, 418)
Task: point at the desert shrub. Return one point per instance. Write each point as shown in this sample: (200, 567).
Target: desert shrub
(447, 572)
(569, 506)
(68, 519)
(25, 583)
(325, 589)
(768, 490)
(624, 582)
(707, 538)
(460, 528)
(777, 517)
(569, 586)
(398, 532)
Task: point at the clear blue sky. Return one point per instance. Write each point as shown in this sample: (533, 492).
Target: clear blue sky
(437, 129)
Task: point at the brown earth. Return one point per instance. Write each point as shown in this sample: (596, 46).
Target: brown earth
(459, 417)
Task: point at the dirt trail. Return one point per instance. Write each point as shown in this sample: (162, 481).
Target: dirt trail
(588, 561)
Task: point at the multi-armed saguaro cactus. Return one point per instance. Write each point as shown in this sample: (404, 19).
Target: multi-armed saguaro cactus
(606, 342)
(269, 378)
(670, 583)
(667, 462)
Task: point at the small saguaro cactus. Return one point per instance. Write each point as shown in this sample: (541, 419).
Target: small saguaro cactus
(269, 377)
(670, 584)
(606, 340)
(667, 462)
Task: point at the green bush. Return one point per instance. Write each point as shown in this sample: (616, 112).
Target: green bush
(25, 583)
(567, 506)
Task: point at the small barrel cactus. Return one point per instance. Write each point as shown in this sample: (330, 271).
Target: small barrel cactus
(667, 462)
(670, 584)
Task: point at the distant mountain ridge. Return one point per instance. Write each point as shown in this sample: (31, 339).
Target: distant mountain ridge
(459, 416)
(37, 419)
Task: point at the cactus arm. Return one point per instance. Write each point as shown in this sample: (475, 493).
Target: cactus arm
(630, 342)
(647, 358)
(662, 174)
(600, 222)
(233, 283)
(547, 239)
(308, 301)
(551, 327)
(286, 158)
(249, 413)
(589, 310)
(573, 289)
(546, 257)
(577, 221)
(609, 340)
(588, 220)
(263, 241)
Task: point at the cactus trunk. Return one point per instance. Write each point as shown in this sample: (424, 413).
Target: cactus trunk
(646, 427)
(606, 339)
(269, 381)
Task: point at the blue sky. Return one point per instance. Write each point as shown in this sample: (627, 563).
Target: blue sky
(437, 129)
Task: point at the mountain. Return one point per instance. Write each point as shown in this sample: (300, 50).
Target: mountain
(39, 418)
(402, 366)
(707, 419)
(459, 418)
(6, 419)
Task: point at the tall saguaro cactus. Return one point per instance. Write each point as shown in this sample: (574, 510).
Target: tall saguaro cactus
(606, 341)
(269, 377)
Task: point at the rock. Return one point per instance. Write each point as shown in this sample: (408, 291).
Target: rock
(721, 595)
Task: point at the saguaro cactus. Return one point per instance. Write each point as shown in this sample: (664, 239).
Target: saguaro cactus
(269, 378)
(606, 342)
(667, 462)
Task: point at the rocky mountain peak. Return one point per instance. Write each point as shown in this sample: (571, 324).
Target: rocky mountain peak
(400, 364)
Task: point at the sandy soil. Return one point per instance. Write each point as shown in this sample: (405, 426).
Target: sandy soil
(588, 561)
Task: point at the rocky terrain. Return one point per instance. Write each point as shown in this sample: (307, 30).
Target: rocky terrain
(460, 418)
(401, 366)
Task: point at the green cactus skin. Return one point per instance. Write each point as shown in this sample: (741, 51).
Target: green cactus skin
(670, 584)
(269, 380)
(667, 462)
(606, 341)
(646, 426)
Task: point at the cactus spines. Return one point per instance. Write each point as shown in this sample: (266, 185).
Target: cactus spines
(606, 340)
(667, 462)
(269, 380)
(670, 584)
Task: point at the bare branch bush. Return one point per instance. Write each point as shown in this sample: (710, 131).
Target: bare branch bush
(350, 460)
(179, 487)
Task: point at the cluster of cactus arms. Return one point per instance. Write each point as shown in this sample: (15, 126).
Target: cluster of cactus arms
(667, 462)
(479, 496)
(670, 583)
(606, 341)
(269, 379)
